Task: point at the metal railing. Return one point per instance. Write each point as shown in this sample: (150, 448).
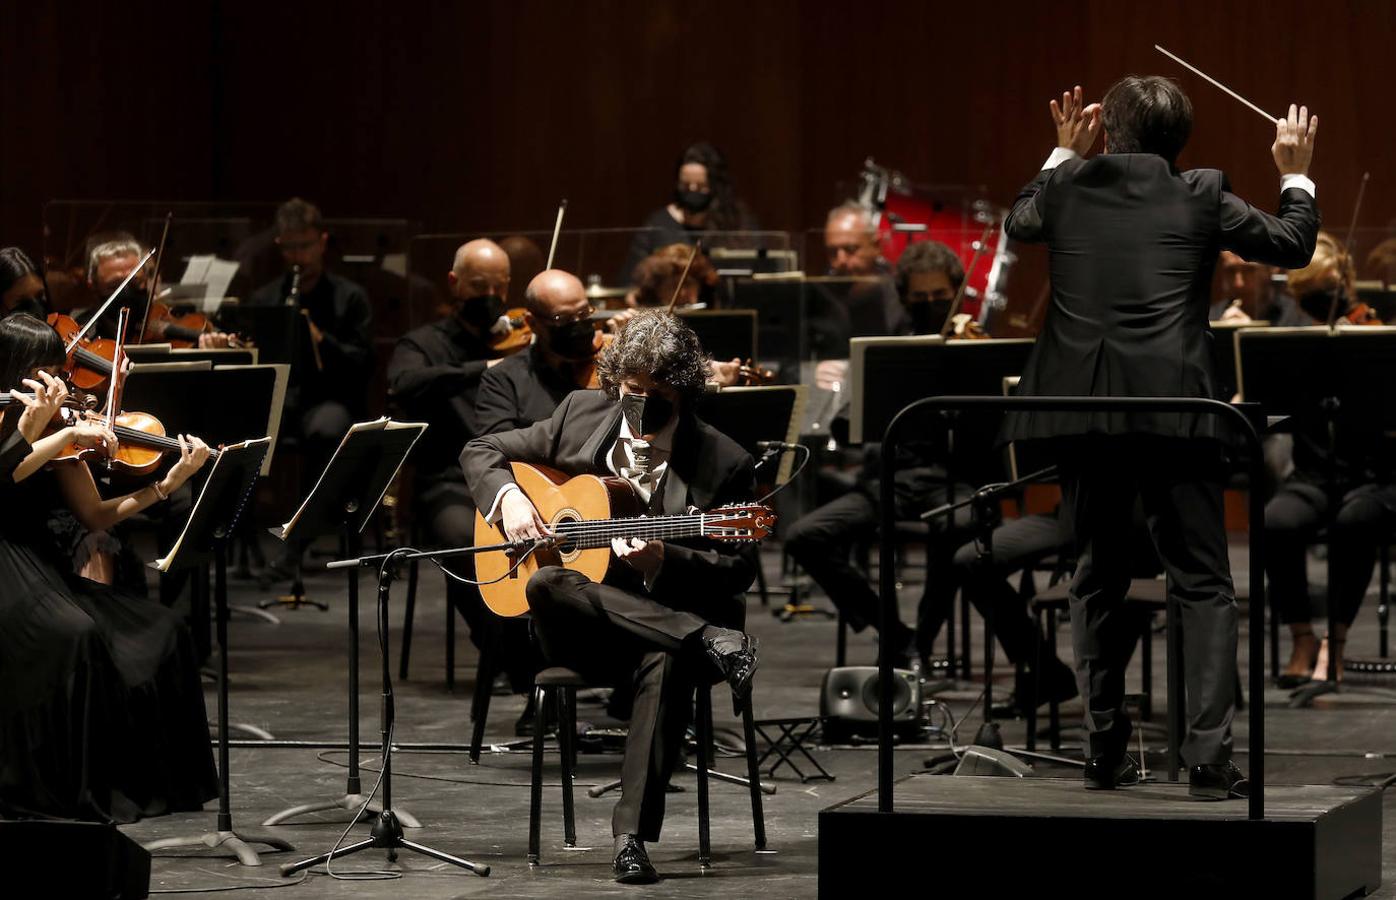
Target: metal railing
(1256, 505)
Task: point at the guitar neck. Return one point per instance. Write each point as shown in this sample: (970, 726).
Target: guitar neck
(600, 532)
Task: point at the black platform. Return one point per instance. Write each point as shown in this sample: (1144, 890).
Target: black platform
(996, 835)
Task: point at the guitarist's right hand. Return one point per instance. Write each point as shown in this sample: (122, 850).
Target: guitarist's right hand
(520, 517)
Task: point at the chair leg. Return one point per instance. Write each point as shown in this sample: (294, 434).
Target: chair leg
(408, 611)
(762, 590)
(964, 636)
(841, 643)
(1054, 709)
(1274, 644)
(566, 734)
(951, 660)
(1034, 686)
(705, 731)
(572, 726)
(753, 774)
(1146, 658)
(535, 800)
(988, 664)
(451, 648)
(480, 705)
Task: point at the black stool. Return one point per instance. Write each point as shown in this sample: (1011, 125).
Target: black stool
(1149, 596)
(560, 684)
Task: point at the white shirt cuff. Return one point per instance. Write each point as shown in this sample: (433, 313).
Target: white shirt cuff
(1059, 156)
(1303, 182)
(492, 518)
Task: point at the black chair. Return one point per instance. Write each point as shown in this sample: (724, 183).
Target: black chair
(559, 685)
(1149, 596)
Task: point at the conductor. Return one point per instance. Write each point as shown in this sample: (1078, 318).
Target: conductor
(1133, 243)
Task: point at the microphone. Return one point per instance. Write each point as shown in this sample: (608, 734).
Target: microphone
(777, 445)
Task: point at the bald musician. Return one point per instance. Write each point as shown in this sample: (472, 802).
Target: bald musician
(433, 377)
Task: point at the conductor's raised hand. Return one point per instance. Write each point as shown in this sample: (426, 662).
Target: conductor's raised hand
(1293, 149)
(1078, 125)
(520, 517)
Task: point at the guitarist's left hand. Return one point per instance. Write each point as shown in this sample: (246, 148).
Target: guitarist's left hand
(644, 557)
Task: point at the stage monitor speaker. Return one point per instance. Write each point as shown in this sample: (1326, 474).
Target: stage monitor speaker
(71, 859)
(848, 701)
(989, 761)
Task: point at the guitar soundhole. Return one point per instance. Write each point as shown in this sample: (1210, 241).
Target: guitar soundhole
(567, 549)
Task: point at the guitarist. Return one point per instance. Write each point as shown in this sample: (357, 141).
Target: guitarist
(669, 612)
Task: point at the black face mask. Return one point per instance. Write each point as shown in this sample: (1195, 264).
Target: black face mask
(692, 201)
(1320, 304)
(646, 415)
(134, 298)
(482, 312)
(575, 340)
(927, 317)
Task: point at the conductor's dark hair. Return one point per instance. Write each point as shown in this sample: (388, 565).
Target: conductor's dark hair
(658, 344)
(298, 215)
(928, 256)
(27, 344)
(14, 265)
(1147, 114)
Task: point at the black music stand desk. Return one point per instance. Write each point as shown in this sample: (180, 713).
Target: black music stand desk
(342, 501)
(205, 536)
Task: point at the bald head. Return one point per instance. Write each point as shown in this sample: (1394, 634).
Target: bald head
(851, 241)
(555, 294)
(480, 269)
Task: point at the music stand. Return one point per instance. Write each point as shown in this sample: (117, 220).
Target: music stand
(343, 500)
(205, 536)
(725, 333)
(1340, 383)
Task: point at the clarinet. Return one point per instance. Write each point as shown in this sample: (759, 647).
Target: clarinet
(294, 296)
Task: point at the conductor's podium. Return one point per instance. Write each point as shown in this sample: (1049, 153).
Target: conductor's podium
(1044, 837)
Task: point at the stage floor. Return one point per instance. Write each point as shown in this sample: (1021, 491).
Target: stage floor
(289, 679)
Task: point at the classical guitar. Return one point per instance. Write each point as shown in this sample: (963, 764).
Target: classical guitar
(584, 513)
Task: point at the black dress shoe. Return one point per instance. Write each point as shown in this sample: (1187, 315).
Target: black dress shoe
(632, 863)
(1104, 774)
(1217, 782)
(1288, 682)
(735, 654)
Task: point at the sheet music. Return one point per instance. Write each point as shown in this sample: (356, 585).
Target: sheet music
(214, 274)
(229, 458)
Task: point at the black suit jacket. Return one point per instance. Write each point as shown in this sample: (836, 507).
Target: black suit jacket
(519, 391)
(1133, 244)
(706, 469)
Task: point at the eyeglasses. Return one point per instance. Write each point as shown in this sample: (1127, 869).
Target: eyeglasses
(563, 321)
(296, 246)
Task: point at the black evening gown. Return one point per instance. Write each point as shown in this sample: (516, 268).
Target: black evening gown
(101, 708)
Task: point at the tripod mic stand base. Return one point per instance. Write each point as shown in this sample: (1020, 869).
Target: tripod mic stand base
(350, 802)
(387, 833)
(232, 840)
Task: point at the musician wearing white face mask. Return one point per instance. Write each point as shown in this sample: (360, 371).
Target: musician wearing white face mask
(670, 615)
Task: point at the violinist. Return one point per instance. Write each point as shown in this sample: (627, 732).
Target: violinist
(101, 708)
(1304, 502)
(108, 264)
(21, 285)
(433, 377)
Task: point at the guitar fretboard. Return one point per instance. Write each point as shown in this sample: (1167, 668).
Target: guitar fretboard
(599, 532)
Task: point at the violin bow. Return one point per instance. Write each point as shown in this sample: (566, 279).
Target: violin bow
(959, 300)
(678, 288)
(155, 276)
(557, 230)
(1215, 83)
(92, 322)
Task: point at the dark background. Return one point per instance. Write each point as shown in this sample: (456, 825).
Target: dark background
(467, 116)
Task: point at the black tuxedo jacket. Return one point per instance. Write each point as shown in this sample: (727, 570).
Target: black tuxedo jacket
(706, 469)
(1133, 244)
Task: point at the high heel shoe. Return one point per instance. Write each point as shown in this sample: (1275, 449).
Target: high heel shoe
(1289, 680)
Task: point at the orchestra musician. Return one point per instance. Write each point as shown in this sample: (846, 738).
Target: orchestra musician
(670, 612)
(821, 540)
(1132, 243)
(101, 706)
(433, 377)
(1359, 479)
(1247, 291)
(108, 264)
(21, 285)
(703, 200)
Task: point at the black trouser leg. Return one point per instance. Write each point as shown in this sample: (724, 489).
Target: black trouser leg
(820, 542)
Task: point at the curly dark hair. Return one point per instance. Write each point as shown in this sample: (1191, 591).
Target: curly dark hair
(928, 256)
(658, 344)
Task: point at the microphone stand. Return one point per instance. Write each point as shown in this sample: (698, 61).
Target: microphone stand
(387, 829)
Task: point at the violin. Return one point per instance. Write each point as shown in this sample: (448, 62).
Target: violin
(141, 437)
(516, 338)
(182, 330)
(89, 362)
